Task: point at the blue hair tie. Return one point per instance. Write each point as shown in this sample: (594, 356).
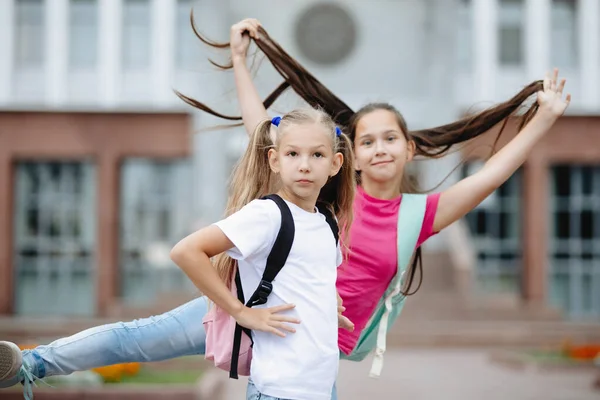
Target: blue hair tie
(276, 120)
(338, 131)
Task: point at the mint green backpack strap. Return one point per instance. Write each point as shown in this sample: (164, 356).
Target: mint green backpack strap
(410, 222)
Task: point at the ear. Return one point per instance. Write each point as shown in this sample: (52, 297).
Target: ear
(338, 161)
(410, 150)
(273, 161)
(356, 165)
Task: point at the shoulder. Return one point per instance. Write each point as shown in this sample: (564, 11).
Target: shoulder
(262, 208)
(253, 228)
(257, 216)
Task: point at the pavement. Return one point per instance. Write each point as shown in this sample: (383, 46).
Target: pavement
(451, 374)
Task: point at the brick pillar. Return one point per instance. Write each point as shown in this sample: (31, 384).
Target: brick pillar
(535, 230)
(6, 235)
(107, 199)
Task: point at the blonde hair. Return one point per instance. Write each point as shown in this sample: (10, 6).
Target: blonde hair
(252, 177)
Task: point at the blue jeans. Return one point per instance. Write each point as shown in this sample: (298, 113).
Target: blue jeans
(176, 333)
(252, 393)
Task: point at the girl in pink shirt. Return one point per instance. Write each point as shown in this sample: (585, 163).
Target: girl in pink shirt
(383, 146)
(366, 274)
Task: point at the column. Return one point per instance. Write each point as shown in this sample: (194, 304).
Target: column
(109, 34)
(163, 55)
(107, 259)
(7, 29)
(537, 33)
(57, 51)
(485, 48)
(535, 230)
(6, 236)
(589, 46)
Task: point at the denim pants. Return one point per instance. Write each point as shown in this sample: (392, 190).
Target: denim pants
(176, 333)
(252, 393)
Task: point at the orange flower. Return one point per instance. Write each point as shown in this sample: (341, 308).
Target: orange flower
(584, 353)
(114, 373)
(131, 369)
(27, 346)
(110, 373)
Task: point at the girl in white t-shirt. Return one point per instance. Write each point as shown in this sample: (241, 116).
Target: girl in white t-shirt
(311, 161)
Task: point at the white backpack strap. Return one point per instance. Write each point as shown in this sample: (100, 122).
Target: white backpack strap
(410, 221)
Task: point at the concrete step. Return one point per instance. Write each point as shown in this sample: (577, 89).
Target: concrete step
(453, 306)
(493, 333)
(438, 273)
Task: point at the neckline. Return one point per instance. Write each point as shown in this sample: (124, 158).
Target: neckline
(376, 199)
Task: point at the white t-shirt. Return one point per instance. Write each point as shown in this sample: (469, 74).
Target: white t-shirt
(304, 364)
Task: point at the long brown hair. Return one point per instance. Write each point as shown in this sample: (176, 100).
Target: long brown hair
(252, 177)
(430, 143)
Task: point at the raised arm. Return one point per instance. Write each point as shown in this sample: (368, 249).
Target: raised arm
(465, 195)
(253, 110)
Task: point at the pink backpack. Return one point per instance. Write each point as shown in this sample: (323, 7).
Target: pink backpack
(220, 328)
(225, 344)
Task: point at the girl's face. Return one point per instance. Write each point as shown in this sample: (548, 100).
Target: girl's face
(304, 159)
(381, 149)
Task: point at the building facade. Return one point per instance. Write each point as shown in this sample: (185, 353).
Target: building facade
(105, 168)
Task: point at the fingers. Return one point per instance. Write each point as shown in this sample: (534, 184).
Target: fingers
(345, 323)
(275, 331)
(546, 83)
(249, 25)
(283, 307)
(276, 328)
(245, 26)
(284, 318)
(568, 99)
(554, 79)
(283, 326)
(561, 85)
(255, 25)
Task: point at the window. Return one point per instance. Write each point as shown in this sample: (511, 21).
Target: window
(136, 34)
(495, 227)
(574, 245)
(55, 232)
(564, 33)
(510, 23)
(29, 34)
(155, 214)
(83, 35)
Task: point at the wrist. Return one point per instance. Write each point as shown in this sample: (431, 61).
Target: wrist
(238, 310)
(238, 59)
(544, 119)
(547, 115)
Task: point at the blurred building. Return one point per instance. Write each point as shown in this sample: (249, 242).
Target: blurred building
(103, 168)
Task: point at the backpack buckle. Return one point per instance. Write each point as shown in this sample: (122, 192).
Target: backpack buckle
(262, 292)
